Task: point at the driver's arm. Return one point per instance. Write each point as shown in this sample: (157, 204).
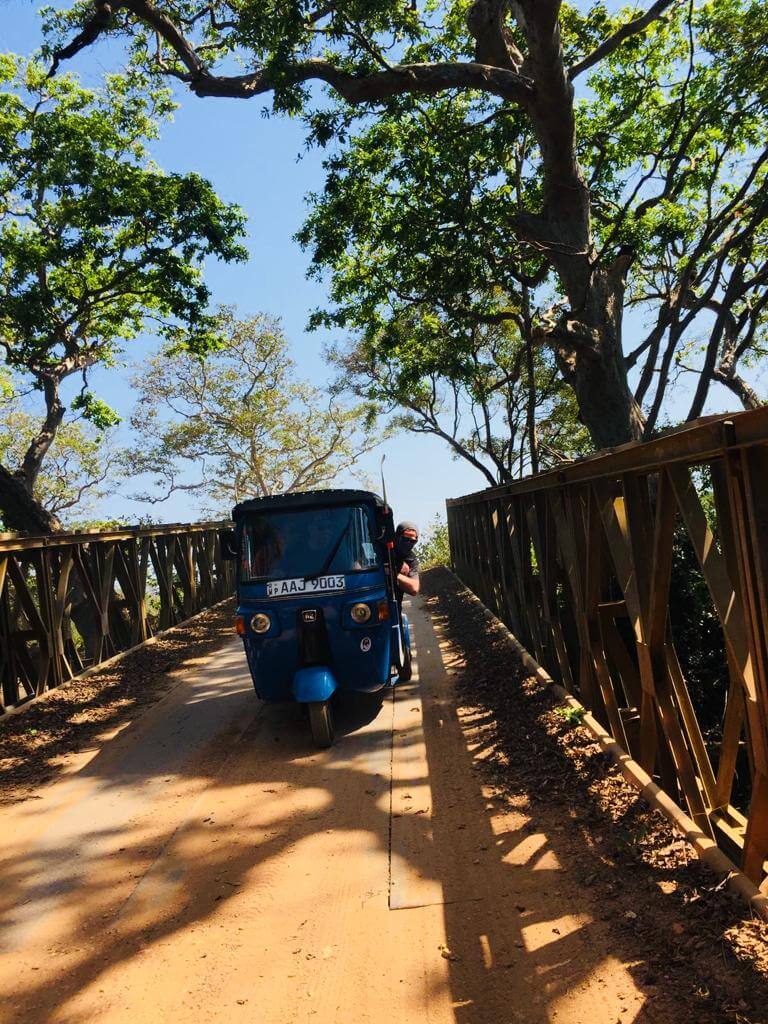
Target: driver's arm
(407, 583)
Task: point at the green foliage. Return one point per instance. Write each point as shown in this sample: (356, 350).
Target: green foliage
(240, 421)
(415, 209)
(97, 243)
(472, 389)
(273, 35)
(434, 548)
(81, 467)
(679, 118)
(95, 411)
(570, 715)
(419, 206)
(461, 203)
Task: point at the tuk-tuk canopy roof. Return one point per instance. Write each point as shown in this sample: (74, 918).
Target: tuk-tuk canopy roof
(306, 499)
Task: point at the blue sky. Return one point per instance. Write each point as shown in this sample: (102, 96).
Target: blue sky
(255, 162)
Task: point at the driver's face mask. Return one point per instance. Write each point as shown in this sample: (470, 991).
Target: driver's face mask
(408, 542)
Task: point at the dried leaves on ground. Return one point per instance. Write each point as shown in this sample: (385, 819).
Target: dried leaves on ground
(703, 946)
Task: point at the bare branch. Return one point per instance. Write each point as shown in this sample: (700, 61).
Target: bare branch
(726, 374)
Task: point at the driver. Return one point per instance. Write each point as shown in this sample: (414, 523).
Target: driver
(406, 537)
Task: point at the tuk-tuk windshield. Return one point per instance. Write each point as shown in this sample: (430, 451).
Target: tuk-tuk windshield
(307, 542)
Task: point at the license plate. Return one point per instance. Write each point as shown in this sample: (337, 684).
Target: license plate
(287, 588)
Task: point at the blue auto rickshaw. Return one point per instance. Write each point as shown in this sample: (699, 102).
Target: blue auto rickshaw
(317, 605)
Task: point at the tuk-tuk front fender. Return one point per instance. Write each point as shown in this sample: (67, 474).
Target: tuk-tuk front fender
(314, 683)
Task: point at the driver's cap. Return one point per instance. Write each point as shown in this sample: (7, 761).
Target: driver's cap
(407, 527)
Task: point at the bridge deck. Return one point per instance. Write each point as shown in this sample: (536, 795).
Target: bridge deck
(207, 865)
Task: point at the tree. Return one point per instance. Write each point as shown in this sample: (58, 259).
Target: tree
(489, 61)
(434, 547)
(685, 188)
(477, 393)
(80, 468)
(413, 217)
(240, 422)
(510, 54)
(96, 245)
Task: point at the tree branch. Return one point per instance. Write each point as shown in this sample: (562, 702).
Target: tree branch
(726, 374)
(367, 88)
(382, 85)
(612, 43)
(493, 40)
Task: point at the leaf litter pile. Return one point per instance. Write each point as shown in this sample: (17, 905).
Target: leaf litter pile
(703, 952)
(36, 741)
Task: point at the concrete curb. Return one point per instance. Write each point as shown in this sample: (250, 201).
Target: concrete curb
(706, 849)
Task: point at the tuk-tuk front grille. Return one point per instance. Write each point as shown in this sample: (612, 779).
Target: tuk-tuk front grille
(314, 648)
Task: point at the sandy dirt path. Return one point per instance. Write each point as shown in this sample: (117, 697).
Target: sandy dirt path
(208, 865)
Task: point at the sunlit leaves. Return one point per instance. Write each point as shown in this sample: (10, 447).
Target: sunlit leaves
(96, 242)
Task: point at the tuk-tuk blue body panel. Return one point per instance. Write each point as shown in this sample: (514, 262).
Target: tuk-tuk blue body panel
(359, 654)
(312, 684)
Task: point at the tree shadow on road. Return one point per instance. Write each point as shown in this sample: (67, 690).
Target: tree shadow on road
(666, 923)
(523, 939)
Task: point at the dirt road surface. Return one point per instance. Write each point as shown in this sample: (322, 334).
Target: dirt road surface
(206, 865)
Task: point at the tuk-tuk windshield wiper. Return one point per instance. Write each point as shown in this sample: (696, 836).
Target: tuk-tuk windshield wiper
(331, 554)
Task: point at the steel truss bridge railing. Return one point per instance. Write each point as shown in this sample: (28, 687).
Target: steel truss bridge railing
(72, 600)
(578, 563)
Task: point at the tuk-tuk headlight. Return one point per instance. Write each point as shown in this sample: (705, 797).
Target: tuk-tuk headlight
(360, 613)
(260, 623)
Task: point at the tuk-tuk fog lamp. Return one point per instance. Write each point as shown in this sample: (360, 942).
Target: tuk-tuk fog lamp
(260, 623)
(360, 612)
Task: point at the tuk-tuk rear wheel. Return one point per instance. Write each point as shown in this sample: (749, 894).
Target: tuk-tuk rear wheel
(321, 723)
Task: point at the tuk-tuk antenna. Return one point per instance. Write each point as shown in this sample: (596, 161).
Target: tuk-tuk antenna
(383, 482)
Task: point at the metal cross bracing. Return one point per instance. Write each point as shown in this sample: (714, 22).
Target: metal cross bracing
(72, 600)
(578, 563)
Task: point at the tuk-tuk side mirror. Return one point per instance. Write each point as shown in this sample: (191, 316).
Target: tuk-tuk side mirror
(385, 523)
(228, 542)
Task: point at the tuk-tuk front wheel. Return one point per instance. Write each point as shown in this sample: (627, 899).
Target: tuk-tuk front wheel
(321, 723)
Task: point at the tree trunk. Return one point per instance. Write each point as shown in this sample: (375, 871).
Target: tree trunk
(587, 339)
(40, 445)
(20, 511)
(531, 396)
(587, 347)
